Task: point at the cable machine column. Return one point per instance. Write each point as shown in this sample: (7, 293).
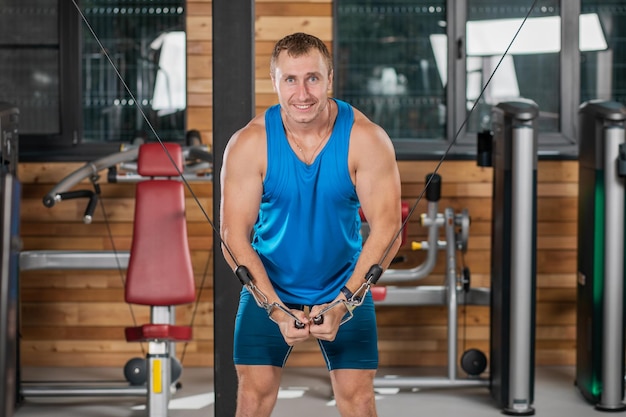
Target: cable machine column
(600, 288)
(513, 248)
(10, 192)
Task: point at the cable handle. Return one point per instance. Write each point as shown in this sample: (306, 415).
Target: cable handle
(243, 274)
(49, 201)
(374, 274)
(371, 277)
(245, 278)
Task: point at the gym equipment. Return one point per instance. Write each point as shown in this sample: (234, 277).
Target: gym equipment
(512, 151)
(159, 252)
(600, 288)
(197, 167)
(9, 248)
(513, 260)
(136, 370)
(160, 274)
(474, 362)
(433, 221)
(457, 233)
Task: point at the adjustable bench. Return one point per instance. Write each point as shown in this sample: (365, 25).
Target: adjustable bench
(160, 273)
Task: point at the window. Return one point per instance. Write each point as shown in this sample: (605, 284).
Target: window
(531, 69)
(73, 102)
(418, 67)
(32, 58)
(387, 65)
(603, 71)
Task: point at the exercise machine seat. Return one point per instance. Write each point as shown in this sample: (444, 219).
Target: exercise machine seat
(159, 271)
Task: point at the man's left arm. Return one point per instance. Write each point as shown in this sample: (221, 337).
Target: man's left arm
(378, 187)
(374, 171)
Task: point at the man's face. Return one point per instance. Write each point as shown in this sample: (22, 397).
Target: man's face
(302, 85)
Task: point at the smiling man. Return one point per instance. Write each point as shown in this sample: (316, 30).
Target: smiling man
(294, 179)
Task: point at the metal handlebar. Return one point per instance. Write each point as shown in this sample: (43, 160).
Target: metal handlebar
(91, 206)
(88, 170)
(127, 159)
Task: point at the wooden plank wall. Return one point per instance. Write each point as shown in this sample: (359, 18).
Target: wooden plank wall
(76, 318)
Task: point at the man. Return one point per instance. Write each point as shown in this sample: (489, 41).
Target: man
(294, 179)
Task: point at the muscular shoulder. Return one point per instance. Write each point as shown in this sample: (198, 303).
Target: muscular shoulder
(248, 145)
(369, 138)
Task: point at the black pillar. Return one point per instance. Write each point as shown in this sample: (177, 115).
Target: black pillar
(233, 107)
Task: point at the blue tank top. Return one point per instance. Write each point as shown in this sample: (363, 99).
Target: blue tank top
(308, 229)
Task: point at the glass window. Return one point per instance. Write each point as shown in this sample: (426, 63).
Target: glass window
(418, 67)
(145, 40)
(603, 70)
(531, 68)
(389, 64)
(29, 57)
(75, 102)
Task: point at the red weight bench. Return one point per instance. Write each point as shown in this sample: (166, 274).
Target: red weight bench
(160, 274)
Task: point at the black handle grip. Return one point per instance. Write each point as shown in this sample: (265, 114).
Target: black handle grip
(298, 324)
(374, 274)
(49, 200)
(68, 195)
(433, 192)
(243, 274)
(91, 208)
(318, 319)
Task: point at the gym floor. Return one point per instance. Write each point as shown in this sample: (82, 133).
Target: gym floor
(308, 391)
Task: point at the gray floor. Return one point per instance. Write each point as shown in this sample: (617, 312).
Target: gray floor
(306, 391)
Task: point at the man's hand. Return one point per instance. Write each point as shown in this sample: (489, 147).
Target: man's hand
(287, 325)
(329, 327)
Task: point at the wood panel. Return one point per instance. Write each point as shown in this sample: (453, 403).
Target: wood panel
(76, 318)
(88, 305)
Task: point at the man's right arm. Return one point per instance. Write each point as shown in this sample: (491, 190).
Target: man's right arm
(242, 187)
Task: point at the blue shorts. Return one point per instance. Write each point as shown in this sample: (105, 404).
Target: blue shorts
(258, 341)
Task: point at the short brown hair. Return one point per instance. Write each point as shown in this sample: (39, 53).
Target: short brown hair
(298, 44)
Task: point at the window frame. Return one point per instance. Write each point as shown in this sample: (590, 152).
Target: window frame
(36, 147)
(559, 145)
(67, 145)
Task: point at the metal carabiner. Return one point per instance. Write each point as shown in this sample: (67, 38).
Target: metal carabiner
(262, 301)
(372, 276)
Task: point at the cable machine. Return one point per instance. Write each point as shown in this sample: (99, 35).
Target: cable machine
(513, 155)
(600, 287)
(511, 149)
(10, 190)
(456, 229)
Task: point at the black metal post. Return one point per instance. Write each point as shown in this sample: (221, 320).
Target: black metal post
(233, 107)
